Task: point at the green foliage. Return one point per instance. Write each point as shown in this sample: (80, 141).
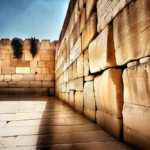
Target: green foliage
(17, 47)
(34, 47)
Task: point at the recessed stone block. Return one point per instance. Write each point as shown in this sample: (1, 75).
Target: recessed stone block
(89, 97)
(102, 52)
(79, 84)
(79, 99)
(109, 92)
(86, 63)
(89, 113)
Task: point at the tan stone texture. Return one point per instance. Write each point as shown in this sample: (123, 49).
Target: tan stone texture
(112, 8)
(41, 63)
(17, 77)
(71, 98)
(40, 77)
(144, 60)
(102, 52)
(75, 69)
(131, 32)
(86, 63)
(6, 63)
(35, 84)
(137, 84)
(33, 63)
(89, 113)
(50, 77)
(3, 84)
(7, 77)
(51, 91)
(89, 78)
(45, 70)
(22, 70)
(90, 4)
(110, 124)
(36, 70)
(137, 119)
(109, 92)
(44, 57)
(1, 77)
(79, 84)
(47, 84)
(81, 3)
(133, 63)
(80, 66)
(89, 32)
(8, 70)
(4, 56)
(79, 99)
(82, 19)
(89, 97)
(70, 72)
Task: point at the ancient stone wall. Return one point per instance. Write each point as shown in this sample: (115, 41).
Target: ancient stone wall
(102, 66)
(27, 75)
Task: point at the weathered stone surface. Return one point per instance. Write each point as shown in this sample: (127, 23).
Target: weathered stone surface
(7, 77)
(8, 70)
(50, 77)
(102, 52)
(71, 85)
(89, 78)
(79, 84)
(46, 71)
(86, 63)
(89, 32)
(35, 84)
(45, 57)
(89, 97)
(70, 72)
(28, 77)
(47, 84)
(90, 4)
(4, 56)
(51, 91)
(17, 77)
(1, 77)
(131, 25)
(75, 69)
(22, 70)
(36, 70)
(133, 63)
(3, 84)
(6, 63)
(145, 60)
(110, 124)
(64, 87)
(79, 99)
(136, 84)
(112, 8)
(41, 63)
(40, 77)
(82, 19)
(137, 119)
(135, 139)
(80, 66)
(81, 3)
(89, 113)
(71, 98)
(109, 92)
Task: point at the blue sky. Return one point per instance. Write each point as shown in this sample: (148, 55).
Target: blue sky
(42, 19)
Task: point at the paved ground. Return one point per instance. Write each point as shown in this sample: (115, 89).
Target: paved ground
(46, 123)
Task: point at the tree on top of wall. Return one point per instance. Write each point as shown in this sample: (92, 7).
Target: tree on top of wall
(17, 47)
(34, 46)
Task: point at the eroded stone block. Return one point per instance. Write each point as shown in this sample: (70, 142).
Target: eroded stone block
(79, 99)
(80, 66)
(90, 4)
(89, 32)
(86, 63)
(109, 92)
(136, 84)
(131, 25)
(101, 51)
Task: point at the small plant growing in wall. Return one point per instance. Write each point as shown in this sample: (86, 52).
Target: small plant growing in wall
(34, 46)
(17, 47)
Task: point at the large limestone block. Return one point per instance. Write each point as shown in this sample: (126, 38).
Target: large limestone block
(89, 113)
(71, 85)
(137, 118)
(101, 51)
(132, 32)
(48, 84)
(82, 19)
(4, 56)
(137, 84)
(79, 84)
(70, 72)
(79, 99)
(66, 97)
(8, 70)
(90, 4)
(81, 3)
(80, 66)
(29, 77)
(75, 69)
(35, 84)
(86, 63)
(110, 124)
(66, 76)
(17, 77)
(109, 92)
(89, 97)
(23, 70)
(112, 8)
(64, 87)
(89, 32)
(135, 139)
